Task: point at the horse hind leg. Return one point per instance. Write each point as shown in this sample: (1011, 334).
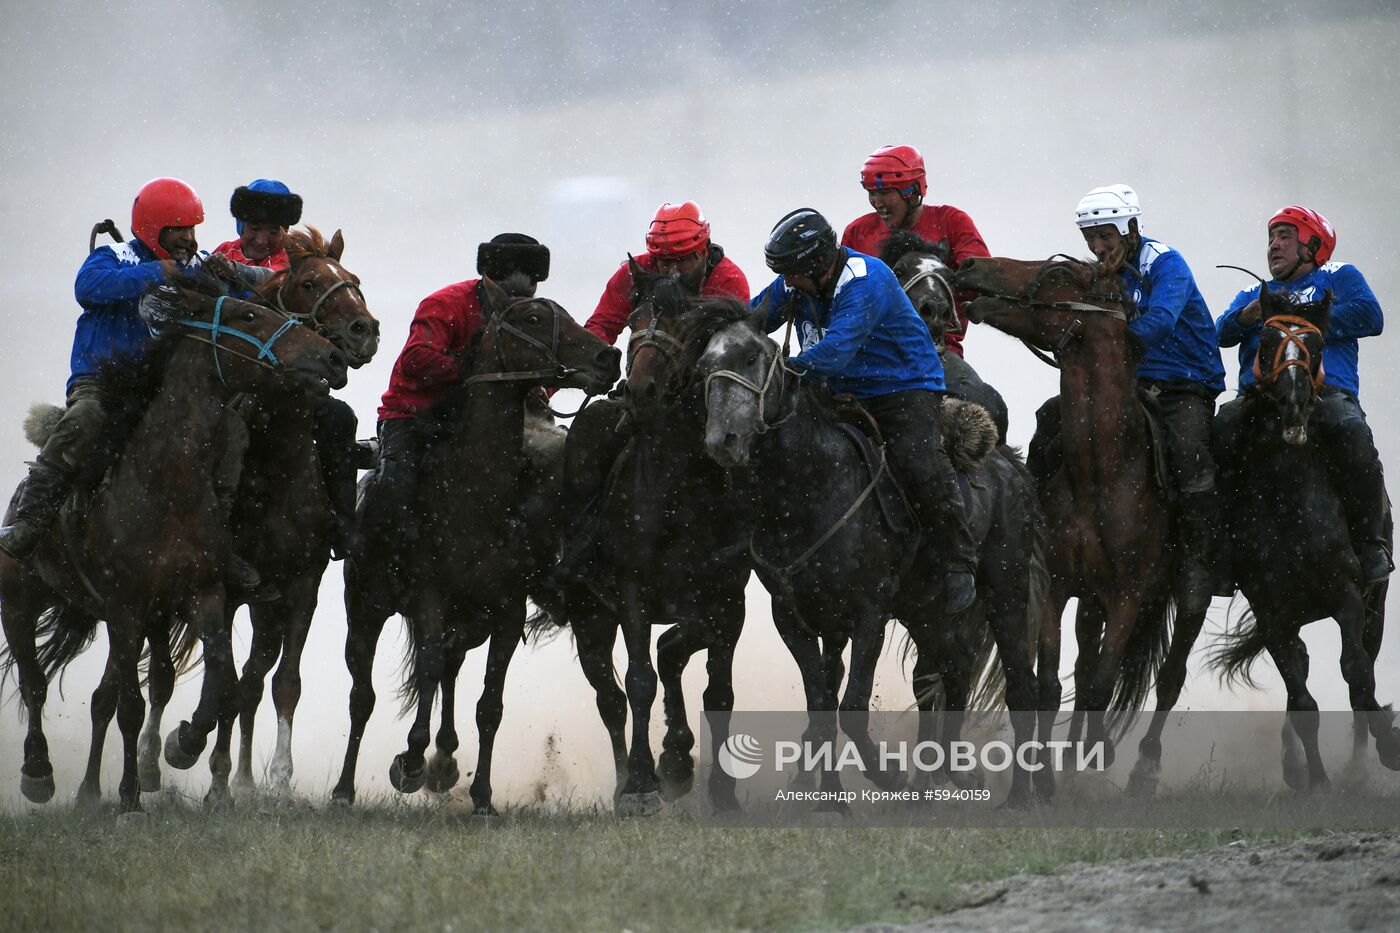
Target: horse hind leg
(1142, 781)
(489, 709)
(1290, 656)
(674, 649)
(161, 686)
(131, 711)
(1358, 669)
(443, 773)
(595, 633)
(298, 606)
(102, 709)
(262, 655)
(364, 623)
(21, 603)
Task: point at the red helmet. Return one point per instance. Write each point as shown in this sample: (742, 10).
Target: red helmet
(1309, 224)
(678, 230)
(161, 203)
(899, 167)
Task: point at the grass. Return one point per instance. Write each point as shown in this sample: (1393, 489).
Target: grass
(395, 867)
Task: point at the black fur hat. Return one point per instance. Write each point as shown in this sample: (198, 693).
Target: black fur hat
(263, 203)
(513, 252)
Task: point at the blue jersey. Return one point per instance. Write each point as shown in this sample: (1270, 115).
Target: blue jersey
(1173, 323)
(867, 340)
(109, 284)
(1355, 313)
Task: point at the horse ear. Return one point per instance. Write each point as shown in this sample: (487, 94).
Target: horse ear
(1269, 303)
(633, 267)
(337, 246)
(493, 297)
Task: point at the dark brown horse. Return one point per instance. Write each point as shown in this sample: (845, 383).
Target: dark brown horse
(469, 569)
(151, 545)
(1109, 521)
(1294, 559)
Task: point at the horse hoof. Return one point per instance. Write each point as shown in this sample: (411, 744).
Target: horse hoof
(485, 815)
(443, 775)
(404, 780)
(1388, 748)
(37, 789)
(89, 798)
(176, 753)
(677, 773)
(150, 779)
(647, 804)
(1142, 782)
(218, 800)
(835, 815)
(343, 799)
(967, 780)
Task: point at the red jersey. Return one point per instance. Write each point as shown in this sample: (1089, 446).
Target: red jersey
(233, 249)
(615, 307)
(443, 326)
(936, 222)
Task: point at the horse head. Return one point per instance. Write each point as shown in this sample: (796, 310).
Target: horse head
(530, 339)
(740, 375)
(923, 272)
(658, 301)
(1288, 367)
(317, 290)
(257, 349)
(1049, 303)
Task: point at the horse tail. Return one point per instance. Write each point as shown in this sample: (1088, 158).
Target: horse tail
(545, 622)
(1142, 658)
(1239, 647)
(184, 641)
(68, 632)
(989, 684)
(40, 423)
(409, 694)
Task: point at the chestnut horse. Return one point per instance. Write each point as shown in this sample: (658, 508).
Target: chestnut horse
(1295, 563)
(1110, 523)
(470, 567)
(150, 548)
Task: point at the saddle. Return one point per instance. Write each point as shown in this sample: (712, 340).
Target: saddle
(1157, 443)
(864, 433)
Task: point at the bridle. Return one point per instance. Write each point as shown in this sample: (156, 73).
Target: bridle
(1027, 299)
(1292, 329)
(776, 365)
(311, 317)
(216, 328)
(924, 275)
(557, 371)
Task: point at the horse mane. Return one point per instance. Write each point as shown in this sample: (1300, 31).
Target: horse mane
(304, 244)
(907, 241)
(440, 417)
(696, 328)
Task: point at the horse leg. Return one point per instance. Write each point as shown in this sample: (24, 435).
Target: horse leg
(219, 691)
(364, 623)
(1015, 625)
(21, 602)
(808, 654)
(719, 703)
(1291, 658)
(160, 679)
(1089, 621)
(297, 606)
(958, 663)
(854, 708)
(1050, 691)
(408, 771)
(595, 633)
(126, 638)
(1170, 679)
(103, 708)
(489, 708)
(641, 795)
(443, 773)
(1117, 624)
(262, 654)
(674, 649)
(1358, 669)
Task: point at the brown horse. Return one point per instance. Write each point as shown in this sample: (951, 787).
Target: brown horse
(1109, 521)
(1294, 558)
(151, 545)
(470, 566)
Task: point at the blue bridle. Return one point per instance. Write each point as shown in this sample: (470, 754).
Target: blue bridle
(216, 329)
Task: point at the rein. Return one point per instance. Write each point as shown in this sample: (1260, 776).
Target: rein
(265, 358)
(1293, 329)
(558, 371)
(924, 275)
(778, 363)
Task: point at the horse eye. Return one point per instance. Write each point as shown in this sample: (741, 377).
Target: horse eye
(533, 318)
(250, 316)
(753, 360)
(308, 285)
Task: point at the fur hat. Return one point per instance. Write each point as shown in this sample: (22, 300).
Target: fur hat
(513, 252)
(265, 202)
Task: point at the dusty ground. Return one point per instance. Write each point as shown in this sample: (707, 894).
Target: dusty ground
(1338, 882)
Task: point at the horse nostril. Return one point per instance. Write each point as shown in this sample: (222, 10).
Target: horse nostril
(337, 359)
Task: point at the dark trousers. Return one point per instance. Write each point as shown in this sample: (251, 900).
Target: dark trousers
(1354, 466)
(964, 382)
(912, 427)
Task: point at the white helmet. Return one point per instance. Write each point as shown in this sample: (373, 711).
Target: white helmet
(1112, 204)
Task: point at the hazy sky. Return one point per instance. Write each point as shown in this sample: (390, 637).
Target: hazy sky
(422, 130)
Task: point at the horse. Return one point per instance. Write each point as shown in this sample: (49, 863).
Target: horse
(669, 530)
(1294, 559)
(470, 566)
(150, 546)
(924, 274)
(283, 516)
(1110, 523)
(821, 545)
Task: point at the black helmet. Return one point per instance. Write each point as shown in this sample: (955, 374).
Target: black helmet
(802, 243)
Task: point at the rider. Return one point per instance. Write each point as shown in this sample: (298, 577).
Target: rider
(1180, 367)
(678, 243)
(431, 363)
(896, 183)
(262, 211)
(860, 334)
(1301, 242)
(108, 287)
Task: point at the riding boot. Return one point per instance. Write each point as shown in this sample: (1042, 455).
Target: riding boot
(40, 496)
(239, 574)
(333, 427)
(578, 549)
(1365, 512)
(1043, 456)
(1197, 541)
(1355, 469)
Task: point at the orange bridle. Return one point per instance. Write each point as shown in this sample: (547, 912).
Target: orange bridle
(1293, 329)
